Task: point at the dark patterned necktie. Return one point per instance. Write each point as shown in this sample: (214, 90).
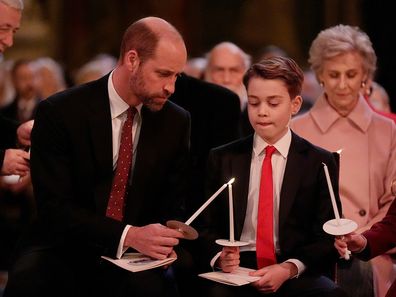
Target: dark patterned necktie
(118, 194)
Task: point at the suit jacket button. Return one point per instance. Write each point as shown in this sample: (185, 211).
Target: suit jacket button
(362, 212)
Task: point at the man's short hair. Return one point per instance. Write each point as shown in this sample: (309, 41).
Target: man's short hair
(140, 37)
(17, 4)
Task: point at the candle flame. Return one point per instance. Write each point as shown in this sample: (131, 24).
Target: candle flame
(339, 151)
(231, 181)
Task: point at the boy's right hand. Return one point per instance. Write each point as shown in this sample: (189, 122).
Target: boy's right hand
(229, 259)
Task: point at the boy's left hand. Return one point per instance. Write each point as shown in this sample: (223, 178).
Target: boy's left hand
(272, 277)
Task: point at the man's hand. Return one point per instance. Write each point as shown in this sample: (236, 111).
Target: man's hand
(272, 277)
(229, 259)
(155, 240)
(353, 242)
(23, 133)
(15, 162)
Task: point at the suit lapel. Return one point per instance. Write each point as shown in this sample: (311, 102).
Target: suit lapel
(291, 180)
(241, 172)
(99, 121)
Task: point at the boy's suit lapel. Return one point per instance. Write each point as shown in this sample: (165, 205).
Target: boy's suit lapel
(293, 172)
(241, 172)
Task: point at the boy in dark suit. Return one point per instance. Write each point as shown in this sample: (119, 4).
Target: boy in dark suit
(283, 199)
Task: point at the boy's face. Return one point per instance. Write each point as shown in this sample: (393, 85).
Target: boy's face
(270, 108)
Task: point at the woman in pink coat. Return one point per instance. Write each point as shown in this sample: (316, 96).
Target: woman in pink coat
(343, 59)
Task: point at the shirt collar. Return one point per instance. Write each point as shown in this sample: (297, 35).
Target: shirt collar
(325, 116)
(282, 145)
(117, 105)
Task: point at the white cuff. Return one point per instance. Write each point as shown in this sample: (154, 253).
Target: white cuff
(214, 259)
(300, 266)
(121, 248)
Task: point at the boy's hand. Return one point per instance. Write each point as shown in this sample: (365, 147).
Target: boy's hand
(273, 276)
(229, 259)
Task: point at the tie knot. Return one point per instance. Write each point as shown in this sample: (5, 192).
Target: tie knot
(269, 150)
(131, 111)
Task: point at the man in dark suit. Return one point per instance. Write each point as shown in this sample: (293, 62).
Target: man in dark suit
(12, 161)
(78, 162)
(297, 251)
(214, 121)
(379, 239)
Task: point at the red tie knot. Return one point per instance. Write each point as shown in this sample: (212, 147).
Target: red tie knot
(269, 150)
(131, 111)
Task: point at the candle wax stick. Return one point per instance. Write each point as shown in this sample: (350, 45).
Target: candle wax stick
(231, 211)
(333, 201)
(194, 216)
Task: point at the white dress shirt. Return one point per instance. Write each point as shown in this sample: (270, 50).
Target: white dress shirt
(118, 110)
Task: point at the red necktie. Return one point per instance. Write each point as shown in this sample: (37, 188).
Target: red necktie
(265, 251)
(115, 206)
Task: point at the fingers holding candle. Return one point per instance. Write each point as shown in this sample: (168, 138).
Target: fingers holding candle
(349, 243)
(338, 226)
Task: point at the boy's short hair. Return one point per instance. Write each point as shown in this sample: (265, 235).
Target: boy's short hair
(282, 68)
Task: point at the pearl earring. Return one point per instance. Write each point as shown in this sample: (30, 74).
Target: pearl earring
(321, 84)
(363, 84)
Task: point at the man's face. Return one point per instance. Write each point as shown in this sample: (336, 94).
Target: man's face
(10, 19)
(154, 79)
(226, 68)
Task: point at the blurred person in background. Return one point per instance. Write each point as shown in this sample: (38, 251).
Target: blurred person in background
(49, 77)
(95, 69)
(23, 107)
(226, 65)
(195, 67)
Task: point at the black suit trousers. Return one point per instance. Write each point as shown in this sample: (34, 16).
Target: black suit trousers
(50, 272)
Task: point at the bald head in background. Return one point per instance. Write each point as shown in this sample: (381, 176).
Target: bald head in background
(226, 65)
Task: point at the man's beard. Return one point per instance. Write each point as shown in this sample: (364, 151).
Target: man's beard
(154, 101)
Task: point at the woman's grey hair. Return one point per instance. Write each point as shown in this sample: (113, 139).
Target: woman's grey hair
(17, 4)
(338, 40)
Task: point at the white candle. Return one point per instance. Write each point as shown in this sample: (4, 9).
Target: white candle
(333, 201)
(194, 216)
(231, 210)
